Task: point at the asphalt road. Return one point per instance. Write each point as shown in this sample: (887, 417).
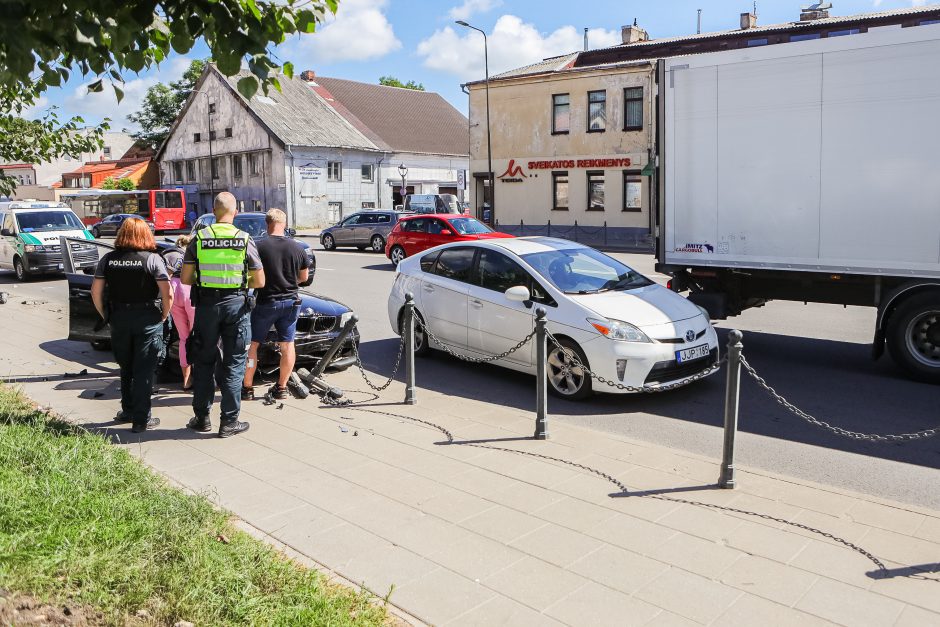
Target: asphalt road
(816, 355)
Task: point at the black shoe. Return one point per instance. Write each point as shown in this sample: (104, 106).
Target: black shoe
(122, 417)
(278, 393)
(248, 394)
(200, 424)
(228, 429)
(152, 423)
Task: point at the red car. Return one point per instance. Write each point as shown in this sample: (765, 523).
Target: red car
(419, 232)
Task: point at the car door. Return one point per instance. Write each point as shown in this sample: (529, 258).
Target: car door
(495, 323)
(85, 325)
(6, 240)
(363, 229)
(107, 226)
(414, 234)
(439, 232)
(444, 292)
(344, 232)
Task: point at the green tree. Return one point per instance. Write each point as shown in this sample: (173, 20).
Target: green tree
(161, 104)
(43, 42)
(113, 183)
(391, 81)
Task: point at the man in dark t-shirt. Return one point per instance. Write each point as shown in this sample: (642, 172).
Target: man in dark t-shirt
(285, 268)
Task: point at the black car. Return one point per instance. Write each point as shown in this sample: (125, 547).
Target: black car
(110, 224)
(321, 319)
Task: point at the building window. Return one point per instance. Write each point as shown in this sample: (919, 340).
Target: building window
(805, 37)
(212, 135)
(595, 191)
(597, 111)
(843, 33)
(256, 205)
(756, 42)
(197, 137)
(107, 151)
(191, 170)
(632, 191)
(334, 171)
(561, 113)
(178, 171)
(633, 109)
(367, 173)
(228, 131)
(254, 164)
(211, 107)
(560, 191)
(236, 166)
(368, 205)
(215, 167)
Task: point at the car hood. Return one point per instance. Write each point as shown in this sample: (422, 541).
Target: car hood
(51, 238)
(644, 307)
(322, 305)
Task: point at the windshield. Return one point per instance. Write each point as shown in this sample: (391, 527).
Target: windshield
(469, 226)
(53, 220)
(252, 224)
(585, 271)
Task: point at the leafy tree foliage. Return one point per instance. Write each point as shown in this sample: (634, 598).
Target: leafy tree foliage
(43, 42)
(113, 183)
(161, 104)
(391, 81)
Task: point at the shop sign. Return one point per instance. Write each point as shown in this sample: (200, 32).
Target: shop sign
(513, 173)
(566, 164)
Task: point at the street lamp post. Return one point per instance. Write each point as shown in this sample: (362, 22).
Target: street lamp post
(403, 172)
(489, 143)
(209, 123)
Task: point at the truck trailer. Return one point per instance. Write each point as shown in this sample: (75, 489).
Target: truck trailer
(808, 171)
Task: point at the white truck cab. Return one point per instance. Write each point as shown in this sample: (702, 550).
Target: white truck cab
(29, 238)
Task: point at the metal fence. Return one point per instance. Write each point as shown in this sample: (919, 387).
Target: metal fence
(619, 238)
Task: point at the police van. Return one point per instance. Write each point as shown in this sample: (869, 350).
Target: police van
(29, 238)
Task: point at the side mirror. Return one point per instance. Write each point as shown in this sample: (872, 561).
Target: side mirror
(291, 232)
(518, 294)
(446, 232)
(6, 233)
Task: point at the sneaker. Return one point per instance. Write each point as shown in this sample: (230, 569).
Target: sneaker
(248, 394)
(278, 393)
(201, 424)
(152, 423)
(235, 427)
(123, 417)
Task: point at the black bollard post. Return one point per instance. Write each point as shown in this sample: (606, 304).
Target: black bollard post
(409, 331)
(732, 397)
(541, 376)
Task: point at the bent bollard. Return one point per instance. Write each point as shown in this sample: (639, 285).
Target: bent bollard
(409, 332)
(732, 397)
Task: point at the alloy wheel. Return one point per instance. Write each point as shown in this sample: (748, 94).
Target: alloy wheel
(565, 376)
(328, 242)
(398, 255)
(378, 244)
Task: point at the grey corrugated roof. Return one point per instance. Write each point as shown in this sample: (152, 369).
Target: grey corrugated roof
(299, 117)
(552, 64)
(404, 120)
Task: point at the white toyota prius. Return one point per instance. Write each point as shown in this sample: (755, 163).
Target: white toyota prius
(479, 299)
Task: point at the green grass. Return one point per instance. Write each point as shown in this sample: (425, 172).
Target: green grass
(83, 521)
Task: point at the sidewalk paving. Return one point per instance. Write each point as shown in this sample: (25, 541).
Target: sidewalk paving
(463, 534)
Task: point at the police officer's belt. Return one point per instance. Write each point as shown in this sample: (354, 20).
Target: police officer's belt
(144, 305)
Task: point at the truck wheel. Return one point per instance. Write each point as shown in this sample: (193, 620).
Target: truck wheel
(914, 337)
(19, 268)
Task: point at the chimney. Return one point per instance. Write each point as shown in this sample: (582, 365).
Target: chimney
(632, 34)
(748, 21)
(817, 11)
(585, 39)
(308, 76)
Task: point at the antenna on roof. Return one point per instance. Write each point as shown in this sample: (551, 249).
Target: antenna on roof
(755, 8)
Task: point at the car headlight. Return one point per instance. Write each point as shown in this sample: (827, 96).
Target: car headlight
(704, 311)
(345, 318)
(32, 248)
(618, 330)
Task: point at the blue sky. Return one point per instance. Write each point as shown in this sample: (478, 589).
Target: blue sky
(418, 40)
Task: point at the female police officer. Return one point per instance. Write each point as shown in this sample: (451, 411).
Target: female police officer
(138, 302)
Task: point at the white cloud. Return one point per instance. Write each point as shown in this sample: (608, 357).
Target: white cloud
(36, 110)
(472, 7)
(360, 31)
(104, 104)
(513, 43)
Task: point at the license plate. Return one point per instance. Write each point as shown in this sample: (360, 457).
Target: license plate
(690, 354)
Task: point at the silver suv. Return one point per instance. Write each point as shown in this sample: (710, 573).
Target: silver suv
(363, 229)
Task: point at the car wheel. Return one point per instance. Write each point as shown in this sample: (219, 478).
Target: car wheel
(328, 242)
(422, 346)
(565, 378)
(101, 345)
(95, 232)
(19, 268)
(378, 244)
(913, 337)
(397, 255)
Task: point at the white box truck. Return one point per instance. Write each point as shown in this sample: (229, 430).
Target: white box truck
(808, 171)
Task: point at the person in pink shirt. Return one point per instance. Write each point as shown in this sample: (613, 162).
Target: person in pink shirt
(183, 312)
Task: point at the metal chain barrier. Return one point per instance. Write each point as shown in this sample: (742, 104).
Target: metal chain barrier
(854, 435)
(576, 363)
(419, 323)
(391, 378)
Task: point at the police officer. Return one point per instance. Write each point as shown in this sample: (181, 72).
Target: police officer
(138, 302)
(221, 263)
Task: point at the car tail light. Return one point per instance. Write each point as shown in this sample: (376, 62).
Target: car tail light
(669, 284)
